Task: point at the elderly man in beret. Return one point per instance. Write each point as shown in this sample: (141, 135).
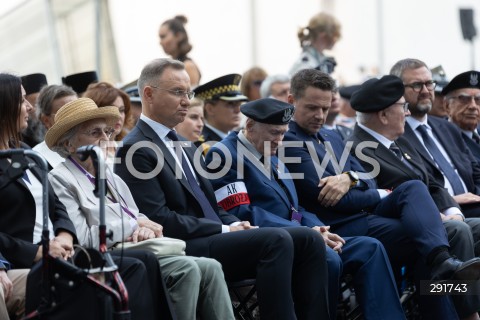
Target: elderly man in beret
(352, 204)
(265, 195)
(438, 141)
(462, 102)
(381, 119)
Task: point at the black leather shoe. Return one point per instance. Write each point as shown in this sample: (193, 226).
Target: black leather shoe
(455, 269)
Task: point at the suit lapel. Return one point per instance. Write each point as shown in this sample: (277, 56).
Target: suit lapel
(276, 185)
(440, 131)
(472, 145)
(413, 158)
(167, 156)
(82, 181)
(381, 152)
(413, 140)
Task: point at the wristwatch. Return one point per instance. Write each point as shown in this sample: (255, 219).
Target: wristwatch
(353, 178)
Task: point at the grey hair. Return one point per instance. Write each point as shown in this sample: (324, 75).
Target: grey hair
(406, 64)
(364, 117)
(60, 147)
(154, 69)
(50, 93)
(266, 87)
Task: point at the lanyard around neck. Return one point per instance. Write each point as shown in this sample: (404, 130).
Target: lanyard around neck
(110, 188)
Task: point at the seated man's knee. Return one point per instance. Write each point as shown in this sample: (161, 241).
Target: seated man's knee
(413, 185)
(210, 268)
(180, 269)
(277, 238)
(455, 227)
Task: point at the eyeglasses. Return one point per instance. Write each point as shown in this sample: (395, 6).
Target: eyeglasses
(465, 99)
(178, 93)
(97, 133)
(418, 86)
(257, 83)
(404, 105)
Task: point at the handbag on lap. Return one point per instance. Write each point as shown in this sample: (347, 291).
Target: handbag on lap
(163, 246)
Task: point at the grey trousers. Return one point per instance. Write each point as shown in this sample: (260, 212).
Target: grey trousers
(196, 284)
(463, 245)
(474, 224)
(15, 305)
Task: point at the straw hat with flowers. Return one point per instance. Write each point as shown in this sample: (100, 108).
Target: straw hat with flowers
(75, 113)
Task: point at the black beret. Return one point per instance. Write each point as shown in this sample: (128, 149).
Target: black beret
(268, 110)
(223, 88)
(377, 94)
(469, 79)
(32, 83)
(80, 81)
(346, 92)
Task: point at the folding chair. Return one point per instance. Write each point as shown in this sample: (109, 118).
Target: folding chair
(244, 299)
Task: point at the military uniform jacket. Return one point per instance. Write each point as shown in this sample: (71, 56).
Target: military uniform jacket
(249, 197)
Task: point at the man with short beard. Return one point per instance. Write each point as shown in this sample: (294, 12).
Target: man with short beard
(438, 141)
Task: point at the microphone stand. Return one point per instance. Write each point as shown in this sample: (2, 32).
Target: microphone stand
(99, 164)
(45, 239)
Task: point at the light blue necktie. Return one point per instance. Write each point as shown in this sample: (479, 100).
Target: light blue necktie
(442, 163)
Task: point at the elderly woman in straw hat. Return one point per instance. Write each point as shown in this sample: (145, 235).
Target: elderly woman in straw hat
(191, 281)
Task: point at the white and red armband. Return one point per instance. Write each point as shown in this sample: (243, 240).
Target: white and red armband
(232, 195)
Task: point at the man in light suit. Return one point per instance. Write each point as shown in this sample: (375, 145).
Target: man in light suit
(462, 101)
(288, 264)
(383, 125)
(460, 170)
(352, 204)
(261, 196)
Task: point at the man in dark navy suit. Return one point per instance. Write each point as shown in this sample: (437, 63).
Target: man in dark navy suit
(383, 126)
(438, 141)
(462, 101)
(351, 203)
(289, 265)
(265, 195)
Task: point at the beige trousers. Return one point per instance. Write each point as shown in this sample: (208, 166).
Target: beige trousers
(15, 305)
